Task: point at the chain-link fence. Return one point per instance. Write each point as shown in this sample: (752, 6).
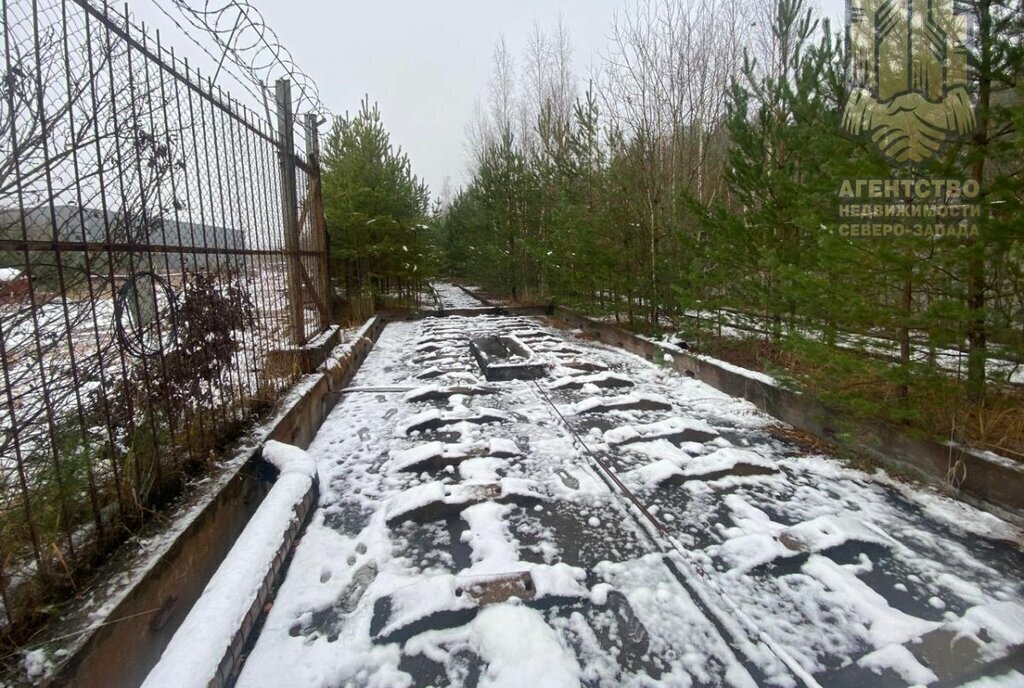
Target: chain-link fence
(158, 242)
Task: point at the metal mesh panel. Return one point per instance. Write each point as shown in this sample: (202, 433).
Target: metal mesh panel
(146, 276)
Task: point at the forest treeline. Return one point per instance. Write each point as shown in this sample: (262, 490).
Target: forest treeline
(692, 180)
(689, 184)
(377, 214)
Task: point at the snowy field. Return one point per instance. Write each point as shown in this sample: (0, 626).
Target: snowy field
(466, 536)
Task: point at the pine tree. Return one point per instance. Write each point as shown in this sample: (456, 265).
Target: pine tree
(376, 208)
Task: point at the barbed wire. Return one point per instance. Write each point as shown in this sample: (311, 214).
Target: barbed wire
(257, 92)
(244, 39)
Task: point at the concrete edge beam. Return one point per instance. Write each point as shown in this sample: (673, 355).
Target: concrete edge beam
(206, 650)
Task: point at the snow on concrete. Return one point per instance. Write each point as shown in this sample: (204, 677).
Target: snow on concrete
(500, 446)
(630, 433)
(516, 644)
(882, 624)
(494, 549)
(621, 403)
(483, 470)
(194, 655)
(600, 379)
(901, 661)
(1010, 679)
(844, 571)
(453, 298)
(408, 458)
(289, 460)
(745, 372)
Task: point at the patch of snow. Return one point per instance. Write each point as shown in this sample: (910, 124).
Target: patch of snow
(724, 459)
(559, 580)
(494, 549)
(992, 457)
(613, 402)
(483, 470)
(1011, 679)
(516, 644)
(576, 380)
(419, 418)
(676, 424)
(9, 274)
(745, 372)
(898, 659)
(194, 655)
(36, 664)
(416, 498)
(599, 594)
(652, 474)
(410, 457)
(1002, 621)
(883, 624)
(500, 446)
(288, 459)
(423, 596)
(956, 514)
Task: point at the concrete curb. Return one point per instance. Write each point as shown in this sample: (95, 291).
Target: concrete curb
(987, 481)
(235, 597)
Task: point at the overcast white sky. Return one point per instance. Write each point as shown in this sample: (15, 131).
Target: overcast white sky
(425, 63)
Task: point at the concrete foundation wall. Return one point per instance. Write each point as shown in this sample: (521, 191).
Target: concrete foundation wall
(128, 640)
(121, 651)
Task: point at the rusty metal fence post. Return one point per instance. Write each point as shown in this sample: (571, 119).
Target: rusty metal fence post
(320, 238)
(289, 209)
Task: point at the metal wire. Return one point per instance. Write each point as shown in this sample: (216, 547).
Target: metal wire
(244, 38)
(135, 317)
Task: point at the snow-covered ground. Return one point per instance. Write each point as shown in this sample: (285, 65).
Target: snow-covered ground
(452, 298)
(737, 325)
(466, 536)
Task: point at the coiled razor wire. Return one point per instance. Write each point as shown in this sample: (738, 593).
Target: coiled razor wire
(243, 37)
